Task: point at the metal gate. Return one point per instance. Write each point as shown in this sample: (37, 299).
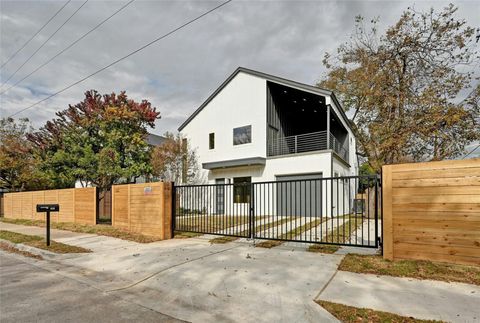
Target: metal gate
(336, 210)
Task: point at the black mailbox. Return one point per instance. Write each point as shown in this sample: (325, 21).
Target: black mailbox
(48, 208)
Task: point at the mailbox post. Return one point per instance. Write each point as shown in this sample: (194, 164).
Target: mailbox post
(48, 208)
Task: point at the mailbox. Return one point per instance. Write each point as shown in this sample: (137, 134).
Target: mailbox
(48, 208)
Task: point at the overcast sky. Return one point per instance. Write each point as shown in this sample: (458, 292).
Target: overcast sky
(284, 38)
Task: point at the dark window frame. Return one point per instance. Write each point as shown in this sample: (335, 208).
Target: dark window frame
(242, 189)
(211, 140)
(240, 132)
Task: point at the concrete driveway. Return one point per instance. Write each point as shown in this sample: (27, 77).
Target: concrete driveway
(195, 281)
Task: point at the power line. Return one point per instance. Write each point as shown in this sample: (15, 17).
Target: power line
(471, 151)
(31, 38)
(68, 47)
(36, 51)
(124, 57)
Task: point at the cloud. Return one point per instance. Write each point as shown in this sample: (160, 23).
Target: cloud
(284, 38)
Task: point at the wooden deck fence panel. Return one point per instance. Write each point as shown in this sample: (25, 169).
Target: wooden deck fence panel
(85, 206)
(143, 208)
(76, 205)
(431, 211)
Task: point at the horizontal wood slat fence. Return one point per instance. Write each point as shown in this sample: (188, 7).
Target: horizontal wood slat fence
(431, 211)
(76, 205)
(143, 208)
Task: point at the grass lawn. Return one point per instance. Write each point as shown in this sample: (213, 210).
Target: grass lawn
(373, 264)
(100, 229)
(343, 233)
(290, 234)
(350, 314)
(39, 242)
(209, 223)
(11, 249)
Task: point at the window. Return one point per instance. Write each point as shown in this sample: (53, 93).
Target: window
(211, 141)
(241, 189)
(242, 135)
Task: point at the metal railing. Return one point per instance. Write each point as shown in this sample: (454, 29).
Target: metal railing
(306, 142)
(337, 210)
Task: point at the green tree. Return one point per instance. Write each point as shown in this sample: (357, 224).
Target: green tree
(405, 87)
(99, 141)
(18, 167)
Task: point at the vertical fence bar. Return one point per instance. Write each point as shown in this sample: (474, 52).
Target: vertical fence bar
(376, 212)
(252, 210)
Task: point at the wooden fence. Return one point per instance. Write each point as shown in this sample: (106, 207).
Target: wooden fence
(76, 205)
(143, 208)
(431, 211)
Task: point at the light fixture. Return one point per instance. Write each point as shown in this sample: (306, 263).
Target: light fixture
(303, 110)
(284, 91)
(294, 101)
(315, 111)
(304, 99)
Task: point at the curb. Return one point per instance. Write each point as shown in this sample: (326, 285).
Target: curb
(35, 251)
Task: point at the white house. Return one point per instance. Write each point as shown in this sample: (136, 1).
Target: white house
(257, 127)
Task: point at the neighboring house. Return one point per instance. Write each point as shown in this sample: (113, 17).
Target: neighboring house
(257, 127)
(155, 140)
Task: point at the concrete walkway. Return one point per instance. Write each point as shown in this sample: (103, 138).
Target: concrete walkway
(196, 281)
(423, 299)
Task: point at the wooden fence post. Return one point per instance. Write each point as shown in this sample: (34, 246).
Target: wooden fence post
(387, 212)
(167, 210)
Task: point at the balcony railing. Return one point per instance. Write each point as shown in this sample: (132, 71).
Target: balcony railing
(306, 142)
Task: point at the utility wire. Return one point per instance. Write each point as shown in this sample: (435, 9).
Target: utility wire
(31, 38)
(68, 47)
(471, 151)
(124, 57)
(36, 51)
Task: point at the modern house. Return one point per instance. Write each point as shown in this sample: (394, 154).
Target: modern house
(257, 127)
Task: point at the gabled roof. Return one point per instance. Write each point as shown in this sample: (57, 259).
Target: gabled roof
(274, 79)
(155, 140)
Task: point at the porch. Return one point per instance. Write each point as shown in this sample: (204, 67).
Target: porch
(300, 121)
(306, 142)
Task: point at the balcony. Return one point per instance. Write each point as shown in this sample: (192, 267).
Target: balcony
(306, 142)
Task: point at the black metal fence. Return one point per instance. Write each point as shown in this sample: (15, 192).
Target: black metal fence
(338, 210)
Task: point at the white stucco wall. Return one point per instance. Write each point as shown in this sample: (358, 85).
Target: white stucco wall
(242, 102)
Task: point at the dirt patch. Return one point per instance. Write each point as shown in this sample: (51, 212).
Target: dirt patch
(268, 244)
(350, 314)
(100, 229)
(322, 248)
(39, 242)
(222, 240)
(11, 249)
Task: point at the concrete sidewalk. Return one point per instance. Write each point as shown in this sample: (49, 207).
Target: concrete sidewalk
(96, 243)
(422, 299)
(196, 281)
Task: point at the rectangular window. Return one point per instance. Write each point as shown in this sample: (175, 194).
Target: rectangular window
(211, 141)
(242, 135)
(241, 189)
